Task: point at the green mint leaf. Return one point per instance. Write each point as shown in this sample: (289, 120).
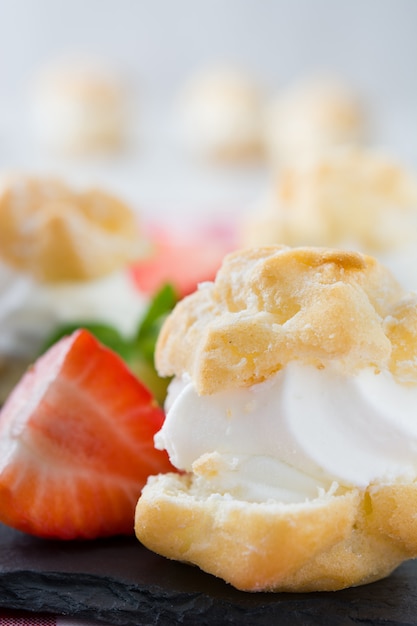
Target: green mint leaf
(150, 325)
(138, 351)
(106, 334)
(162, 303)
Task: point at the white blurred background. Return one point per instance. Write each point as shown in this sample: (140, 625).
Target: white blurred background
(157, 44)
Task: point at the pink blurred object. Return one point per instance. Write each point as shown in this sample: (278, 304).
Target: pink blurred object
(183, 258)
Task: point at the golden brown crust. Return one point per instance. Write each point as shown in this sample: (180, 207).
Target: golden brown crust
(330, 543)
(271, 305)
(390, 511)
(353, 197)
(55, 233)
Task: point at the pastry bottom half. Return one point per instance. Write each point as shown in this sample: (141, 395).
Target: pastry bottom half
(335, 541)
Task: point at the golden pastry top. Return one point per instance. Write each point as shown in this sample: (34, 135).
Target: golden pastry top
(274, 304)
(55, 233)
(347, 198)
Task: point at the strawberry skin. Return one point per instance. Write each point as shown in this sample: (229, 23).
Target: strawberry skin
(76, 443)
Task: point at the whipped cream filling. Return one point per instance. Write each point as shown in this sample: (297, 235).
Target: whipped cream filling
(296, 434)
(30, 311)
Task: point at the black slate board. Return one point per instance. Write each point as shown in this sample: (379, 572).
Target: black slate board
(120, 582)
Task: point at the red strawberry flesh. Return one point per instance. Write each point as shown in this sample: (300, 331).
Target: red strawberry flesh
(76, 443)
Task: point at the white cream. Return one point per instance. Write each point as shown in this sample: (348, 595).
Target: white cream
(303, 430)
(30, 311)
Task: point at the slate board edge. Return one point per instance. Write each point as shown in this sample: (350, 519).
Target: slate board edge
(109, 601)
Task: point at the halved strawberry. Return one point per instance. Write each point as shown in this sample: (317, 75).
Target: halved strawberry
(76, 443)
(181, 259)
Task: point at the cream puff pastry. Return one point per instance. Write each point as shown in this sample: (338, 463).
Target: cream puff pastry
(310, 117)
(352, 198)
(63, 258)
(81, 107)
(220, 113)
(291, 418)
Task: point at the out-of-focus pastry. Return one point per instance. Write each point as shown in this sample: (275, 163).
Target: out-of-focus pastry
(311, 117)
(292, 419)
(81, 108)
(220, 115)
(63, 258)
(349, 198)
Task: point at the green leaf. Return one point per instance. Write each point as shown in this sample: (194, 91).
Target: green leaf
(106, 334)
(150, 326)
(146, 373)
(162, 304)
(138, 351)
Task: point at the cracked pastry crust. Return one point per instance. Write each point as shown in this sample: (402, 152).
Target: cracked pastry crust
(55, 233)
(273, 304)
